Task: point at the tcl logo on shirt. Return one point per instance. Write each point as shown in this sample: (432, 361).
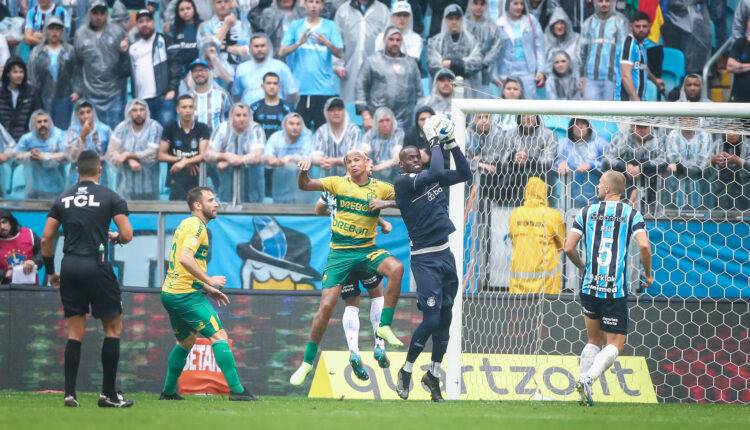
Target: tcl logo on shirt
(80, 201)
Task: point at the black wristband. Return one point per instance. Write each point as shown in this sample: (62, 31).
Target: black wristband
(434, 143)
(49, 264)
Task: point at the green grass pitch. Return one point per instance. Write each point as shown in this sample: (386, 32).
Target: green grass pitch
(20, 411)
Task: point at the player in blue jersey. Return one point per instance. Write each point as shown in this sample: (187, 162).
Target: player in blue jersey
(421, 197)
(606, 228)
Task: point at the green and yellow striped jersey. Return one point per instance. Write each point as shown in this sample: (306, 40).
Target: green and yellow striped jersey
(190, 234)
(354, 225)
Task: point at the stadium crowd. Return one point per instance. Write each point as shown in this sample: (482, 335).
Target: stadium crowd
(238, 91)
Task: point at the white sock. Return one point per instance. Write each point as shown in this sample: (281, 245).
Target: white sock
(407, 367)
(587, 357)
(350, 321)
(376, 308)
(435, 368)
(602, 362)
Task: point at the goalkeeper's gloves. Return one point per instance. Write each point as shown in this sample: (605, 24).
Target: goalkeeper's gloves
(430, 132)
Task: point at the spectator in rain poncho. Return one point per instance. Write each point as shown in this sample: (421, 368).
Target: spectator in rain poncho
(101, 51)
(389, 78)
(275, 19)
(512, 90)
(637, 153)
(602, 35)
(401, 18)
(239, 143)
(42, 151)
(212, 103)
(441, 97)
(52, 70)
(132, 150)
(560, 36)
(334, 139)
(86, 132)
(688, 154)
(578, 11)
(360, 22)
(486, 32)
(527, 150)
(284, 150)
(580, 157)
(524, 57)
(383, 143)
(485, 149)
(562, 83)
(6, 153)
(687, 27)
(454, 48)
(225, 35)
(730, 178)
(691, 90)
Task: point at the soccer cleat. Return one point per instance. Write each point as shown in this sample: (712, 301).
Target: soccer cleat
(118, 401)
(299, 375)
(71, 402)
(356, 362)
(585, 392)
(244, 396)
(174, 396)
(433, 385)
(381, 358)
(384, 332)
(403, 384)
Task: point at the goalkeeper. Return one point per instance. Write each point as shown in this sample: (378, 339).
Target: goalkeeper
(423, 203)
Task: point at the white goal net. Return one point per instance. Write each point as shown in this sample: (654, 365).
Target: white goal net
(517, 329)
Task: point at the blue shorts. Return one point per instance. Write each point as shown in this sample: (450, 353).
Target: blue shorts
(437, 282)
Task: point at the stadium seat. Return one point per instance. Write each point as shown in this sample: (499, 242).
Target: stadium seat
(673, 69)
(558, 124)
(426, 86)
(18, 182)
(605, 129)
(351, 110)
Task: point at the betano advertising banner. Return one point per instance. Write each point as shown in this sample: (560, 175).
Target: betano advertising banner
(487, 377)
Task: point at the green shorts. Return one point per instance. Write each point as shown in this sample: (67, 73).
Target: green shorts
(190, 313)
(342, 262)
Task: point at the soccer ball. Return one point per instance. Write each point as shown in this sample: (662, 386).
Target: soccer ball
(443, 127)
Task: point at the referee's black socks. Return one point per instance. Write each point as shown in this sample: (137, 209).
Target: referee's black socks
(110, 358)
(72, 360)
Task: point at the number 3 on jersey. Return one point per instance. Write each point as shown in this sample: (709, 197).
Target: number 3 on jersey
(604, 256)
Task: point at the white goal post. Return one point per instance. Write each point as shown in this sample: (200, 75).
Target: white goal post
(721, 116)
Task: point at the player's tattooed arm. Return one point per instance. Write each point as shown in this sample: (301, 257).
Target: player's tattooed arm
(304, 182)
(376, 205)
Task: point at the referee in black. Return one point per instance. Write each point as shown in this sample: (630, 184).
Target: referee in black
(86, 279)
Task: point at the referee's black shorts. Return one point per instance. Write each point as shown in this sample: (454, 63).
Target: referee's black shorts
(86, 283)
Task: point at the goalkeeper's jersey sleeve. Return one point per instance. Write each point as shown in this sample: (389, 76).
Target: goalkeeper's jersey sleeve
(355, 225)
(190, 234)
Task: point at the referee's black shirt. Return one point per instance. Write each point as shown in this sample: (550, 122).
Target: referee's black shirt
(85, 212)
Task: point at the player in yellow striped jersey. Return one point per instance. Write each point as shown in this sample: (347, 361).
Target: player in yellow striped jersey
(184, 292)
(353, 232)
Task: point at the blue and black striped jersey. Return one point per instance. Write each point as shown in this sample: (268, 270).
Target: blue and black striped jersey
(606, 229)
